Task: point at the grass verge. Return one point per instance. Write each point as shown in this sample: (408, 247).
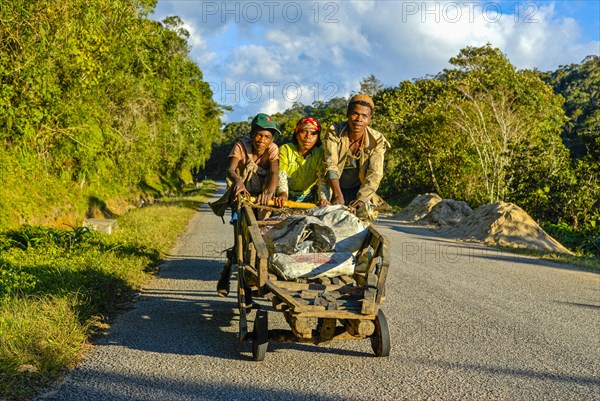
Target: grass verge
(58, 287)
(587, 262)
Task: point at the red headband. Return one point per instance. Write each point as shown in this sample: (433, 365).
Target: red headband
(308, 122)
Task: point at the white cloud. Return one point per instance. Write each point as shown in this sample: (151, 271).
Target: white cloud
(203, 55)
(339, 43)
(254, 62)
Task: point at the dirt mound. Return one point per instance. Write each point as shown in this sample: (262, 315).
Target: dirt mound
(418, 208)
(448, 212)
(505, 224)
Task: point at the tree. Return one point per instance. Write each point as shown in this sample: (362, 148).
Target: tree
(97, 98)
(422, 151)
(579, 84)
(475, 132)
(370, 85)
(331, 111)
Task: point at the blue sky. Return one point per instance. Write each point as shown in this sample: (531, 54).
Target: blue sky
(262, 56)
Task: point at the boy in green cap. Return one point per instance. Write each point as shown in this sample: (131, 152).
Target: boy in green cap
(253, 170)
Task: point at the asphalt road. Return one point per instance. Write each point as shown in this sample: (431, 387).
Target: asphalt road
(466, 322)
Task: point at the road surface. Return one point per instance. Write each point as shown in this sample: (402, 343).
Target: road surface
(467, 323)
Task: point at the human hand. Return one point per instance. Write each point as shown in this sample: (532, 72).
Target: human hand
(264, 198)
(239, 188)
(338, 200)
(355, 206)
(323, 202)
(281, 199)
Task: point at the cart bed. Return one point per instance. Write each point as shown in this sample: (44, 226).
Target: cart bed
(352, 299)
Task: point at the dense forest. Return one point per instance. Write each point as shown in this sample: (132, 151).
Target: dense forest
(99, 103)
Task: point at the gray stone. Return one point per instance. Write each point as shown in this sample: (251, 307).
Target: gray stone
(107, 226)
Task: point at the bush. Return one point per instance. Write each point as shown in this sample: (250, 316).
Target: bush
(584, 240)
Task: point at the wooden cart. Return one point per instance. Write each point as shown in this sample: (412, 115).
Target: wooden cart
(317, 310)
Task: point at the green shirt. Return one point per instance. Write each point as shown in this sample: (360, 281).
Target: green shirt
(302, 173)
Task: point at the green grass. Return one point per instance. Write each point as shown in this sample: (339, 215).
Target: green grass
(587, 262)
(58, 288)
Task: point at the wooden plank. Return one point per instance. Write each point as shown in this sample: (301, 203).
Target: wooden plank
(361, 328)
(369, 305)
(250, 271)
(373, 230)
(258, 241)
(247, 215)
(373, 262)
(365, 245)
(384, 253)
(336, 314)
(251, 255)
(293, 286)
(327, 330)
(360, 279)
(310, 294)
(286, 297)
(325, 280)
(349, 304)
(239, 244)
(262, 254)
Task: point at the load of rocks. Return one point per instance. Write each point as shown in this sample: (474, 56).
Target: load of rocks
(432, 209)
(448, 212)
(498, 224)
(418, 208)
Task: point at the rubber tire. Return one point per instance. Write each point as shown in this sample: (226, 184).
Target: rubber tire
(380, 340)
(260, 340)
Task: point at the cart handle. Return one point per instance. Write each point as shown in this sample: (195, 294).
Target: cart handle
(290, 204)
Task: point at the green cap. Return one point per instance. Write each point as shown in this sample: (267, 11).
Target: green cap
(266, 122)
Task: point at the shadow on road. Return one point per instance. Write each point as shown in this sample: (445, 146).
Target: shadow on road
(180, 314)
(526, 373)
(202, 387)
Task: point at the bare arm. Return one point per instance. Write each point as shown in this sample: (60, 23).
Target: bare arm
(267, 194)
(338, 197)
(238, 182)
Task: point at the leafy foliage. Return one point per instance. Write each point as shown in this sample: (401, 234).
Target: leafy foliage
(14, 281)
(98, 96)
(39, 236)
(579, 84)
(480, 132)
(585, 239)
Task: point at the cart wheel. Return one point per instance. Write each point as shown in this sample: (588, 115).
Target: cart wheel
(261, 335)
(380, 340)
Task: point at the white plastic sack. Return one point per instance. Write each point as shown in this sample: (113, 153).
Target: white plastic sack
(350, 232)
(300, 234)
(301, 245)
(312, 265)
